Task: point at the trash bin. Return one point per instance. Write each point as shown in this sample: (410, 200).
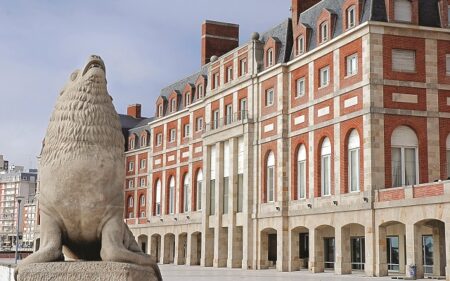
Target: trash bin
(413, 271)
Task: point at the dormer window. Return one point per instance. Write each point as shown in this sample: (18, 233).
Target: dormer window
(242, 67)
(143, 141)
(174, 105)
(188, 98)
(351, 17)
(270, 57)
(215, 80)
(199, 92)
(324, 32)
(403, 10)
(229, 74)
(160, 110)
(300, 45)
(132, 143)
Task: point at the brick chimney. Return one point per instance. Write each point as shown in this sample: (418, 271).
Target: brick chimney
(134, 110)
(299, 6)
(218, 38)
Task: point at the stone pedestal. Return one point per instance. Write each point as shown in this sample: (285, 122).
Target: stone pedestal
(86, 271)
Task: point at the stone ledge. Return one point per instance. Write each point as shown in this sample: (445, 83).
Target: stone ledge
(86, 271)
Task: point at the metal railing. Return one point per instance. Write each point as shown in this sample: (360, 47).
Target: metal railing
(235, 118)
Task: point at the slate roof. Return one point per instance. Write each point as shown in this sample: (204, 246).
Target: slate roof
(282, 32)
(179, 85)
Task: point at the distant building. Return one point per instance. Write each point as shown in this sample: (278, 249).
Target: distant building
(15, 183)
(3, 164)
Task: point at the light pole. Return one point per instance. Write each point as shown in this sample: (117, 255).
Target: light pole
(19, 200)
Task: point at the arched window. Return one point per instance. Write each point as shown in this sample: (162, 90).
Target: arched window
(270, 177)
(404, 157)
(186, 192)
(325, 161)
(353, 161)
(448, 156)
(142, 200)
(403, 10)
(158, 198)
(130, 202)
(301, 172)
(171, 195)
(199, 189)
(143, 140)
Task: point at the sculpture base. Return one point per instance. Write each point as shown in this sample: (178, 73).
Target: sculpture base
(86, 271)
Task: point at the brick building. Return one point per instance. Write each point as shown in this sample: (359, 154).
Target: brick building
(321, 144)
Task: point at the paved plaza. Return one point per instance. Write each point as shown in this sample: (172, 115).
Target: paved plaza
(191, 273)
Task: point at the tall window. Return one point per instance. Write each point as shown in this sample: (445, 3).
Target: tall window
(158, 139)
(142, 182)
(448, 157)
(243, 66)
(142, 163)
(199, 189)
(199, 92)
(215, 119)
(130, 166)
(352, 64)
(172, 135)
(226, 174)
(160, 110)
(403, 10)
(132, 143)
(130, 202)
(404, 154)
(324, 32)
(186, 130)
(270, 177)
(353, 161)
(301, 172)
(229, 74)
(270, 57)
(215, 80)
(243, 109)
(269, 97)
(158, 198)
(199, 124)
(174, 105)
(171, 195)
(186, 193)
(229, 113)
(188, 98)
(212, 185)
(240, 191)
(143, 141)
(447, 64)
(142, 200)
(324, 76)
(300, 83)
(351, 16)
(325, 167)
(300, 45)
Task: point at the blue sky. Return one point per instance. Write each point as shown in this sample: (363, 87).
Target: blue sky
(146, 45)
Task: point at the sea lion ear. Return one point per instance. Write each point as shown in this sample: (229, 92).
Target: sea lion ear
(74, 75)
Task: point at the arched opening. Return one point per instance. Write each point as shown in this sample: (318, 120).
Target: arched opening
(353, 248)
(325, 248)
(391, 248)
(430, 245)
(325, 167)
(158, 198)
(299, 248)
(155, 247)
(169, 248)
(270, 177)
(301, 172)
(143, 242)
(182, 248)
(186, 192)
(171, 196)
(353, 161)
(268, 251)
(198, 190)
(196, 248)
(404, 157)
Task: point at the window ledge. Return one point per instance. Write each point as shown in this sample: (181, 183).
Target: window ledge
(350, 75)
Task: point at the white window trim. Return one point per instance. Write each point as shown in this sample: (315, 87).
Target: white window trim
(229, 74)
(348, 61)
(351, 24)
(243, 66)
(302, 94)
(159, 139)
(300, 45)
(187, 130)
(322, 172)
(172, 136)
(199, 128)
(321, 73)
(403, 163)
(173, 105)
(447, 64)
(350, 169)
(270, 165)
(324, 32)
(270, 57)
(273, 97)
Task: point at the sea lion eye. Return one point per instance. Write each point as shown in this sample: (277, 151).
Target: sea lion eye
(74, 75)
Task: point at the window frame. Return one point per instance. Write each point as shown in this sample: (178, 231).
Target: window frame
(186, 193)
(142, 202)
(325, 175)
(243, 66)
(173, 105)
(325, 69)
(349, 64)
(395, 12)
(301, 169)
(351, 15)
(270, 93)
(270, 54)
(302, 93)
(300, 45)
(229, 71)
(188, 99)
(199, 127)
(186, 130)
(171, 205)
(270, 178)
(324, 31)
(159, 138)
(172, 135)
(394, 66)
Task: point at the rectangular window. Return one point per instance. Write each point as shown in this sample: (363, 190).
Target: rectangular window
(300, 45)
(326, 175)
(131, 184)
(351, 17)
(329, 252)
(324, 77)
(200, 91)
(142, 182)
(174, 105)
(215, 80)
(393, 253)
(142, 164)
(225, 195)
(229, 113)
(130, 166)
(352, 65)
(270, 57)
(396, 161)
(216, 119)
(304, 245)
(353, 169)
(229, 74)
(199, 195)
(186, 130)
(172, 135)
(301, 179)
(300, 87)
(447, 64)
(186, 198)
(243, 67)
(171, 200)
(188, 98)
(403, 10)
(404, 166)
(403, 60)
(212, 198)
(410, 166)
(324, 32)
(240, 193)
(243, 109)
(269, 97)
(270, 183)
(199, 124)
(158, 139)
(358, 252)
(160, 110)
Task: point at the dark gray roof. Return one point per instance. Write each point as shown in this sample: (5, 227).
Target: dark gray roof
(282, 32)
(129, 122)
(179, 85)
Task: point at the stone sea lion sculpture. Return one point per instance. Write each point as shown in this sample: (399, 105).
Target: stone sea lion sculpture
(82, 174)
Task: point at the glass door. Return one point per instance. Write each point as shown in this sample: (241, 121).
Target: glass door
(393, 257)
(329, 252)
(427, 250)
(358, 252)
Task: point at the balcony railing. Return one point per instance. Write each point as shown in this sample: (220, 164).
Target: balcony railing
(235, 118)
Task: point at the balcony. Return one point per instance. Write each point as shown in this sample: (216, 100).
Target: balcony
(236, 118)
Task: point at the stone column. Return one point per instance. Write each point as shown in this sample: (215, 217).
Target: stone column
(176, 257)
(381, 249)
(207, 250)
(439, 250)
(343, 251)
(316, 258)
(164, 251)
(413, 250)
(447, 250)
(283, 246)
(220, 233)
(294, 245)
(370, 245)
(234, 238)
(189, 256)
